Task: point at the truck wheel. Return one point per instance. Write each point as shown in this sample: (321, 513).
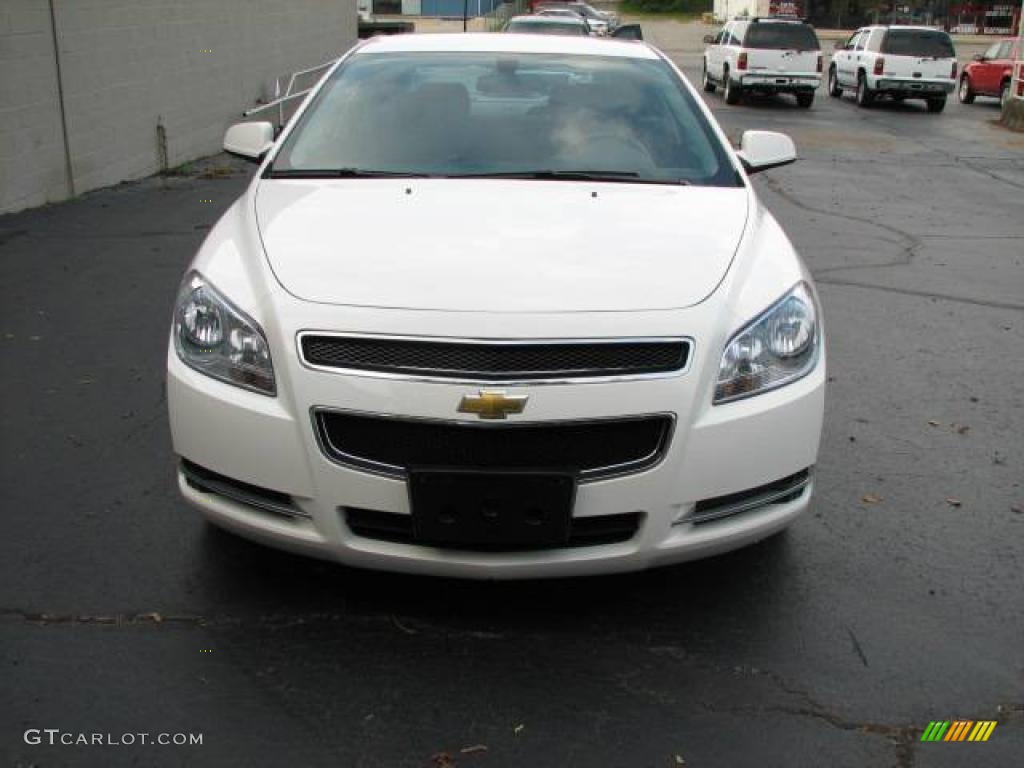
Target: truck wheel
(964, 92)
(865, 96)
(709, 87)
(834, 89)
(805, 100)
(937, 105)
(733, 91)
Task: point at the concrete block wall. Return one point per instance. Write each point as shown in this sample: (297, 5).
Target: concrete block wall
(191, 66)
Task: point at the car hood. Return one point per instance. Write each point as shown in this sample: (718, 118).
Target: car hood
(499, 245)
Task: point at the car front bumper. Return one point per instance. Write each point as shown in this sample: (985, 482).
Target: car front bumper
(714, 451)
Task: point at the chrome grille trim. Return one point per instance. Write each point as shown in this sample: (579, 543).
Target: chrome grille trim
(781, 491)
(334, 454)
(207, 481)
(583, 376)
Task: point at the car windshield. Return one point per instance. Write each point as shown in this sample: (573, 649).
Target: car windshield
(538, 27)
(918, 42)
(788, 37)
(480, 114)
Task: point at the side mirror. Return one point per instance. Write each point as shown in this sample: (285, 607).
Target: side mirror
(628, 32)
(761, 150)
(709, 39)
(249, 140)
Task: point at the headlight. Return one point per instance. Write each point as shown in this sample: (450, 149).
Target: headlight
(217, 339)
(776, 348)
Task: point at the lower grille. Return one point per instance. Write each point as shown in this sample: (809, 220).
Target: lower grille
(779, 492)
(207, 481)
(584, 531)
(593, 449)
(495, 361)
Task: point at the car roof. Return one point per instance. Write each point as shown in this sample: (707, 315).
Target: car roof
(914, 27)
(485, 42)
(554, 20)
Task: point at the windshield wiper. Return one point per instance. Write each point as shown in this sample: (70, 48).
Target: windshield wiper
(341, 173)
(629, 177)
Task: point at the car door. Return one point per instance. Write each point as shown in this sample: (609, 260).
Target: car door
(860, 55)
(1002, 65)
(718, 52)
(845, 72)
(986, 71)
(713, 55)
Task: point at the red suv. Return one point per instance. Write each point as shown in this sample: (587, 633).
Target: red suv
(989, 74)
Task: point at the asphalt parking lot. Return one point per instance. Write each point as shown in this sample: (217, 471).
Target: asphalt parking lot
(895, 602)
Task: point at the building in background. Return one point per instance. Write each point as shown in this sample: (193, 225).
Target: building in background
(981, 18)
(449, 9)
(94, 93)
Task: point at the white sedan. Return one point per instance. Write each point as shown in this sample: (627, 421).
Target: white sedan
(499, 306)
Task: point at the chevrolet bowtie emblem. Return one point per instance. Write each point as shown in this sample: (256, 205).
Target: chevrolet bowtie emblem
(492, 404)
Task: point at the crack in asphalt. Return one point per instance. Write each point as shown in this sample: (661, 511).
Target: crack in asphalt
(857, 646)
(910, 246)
(909, 243)
(923, 294)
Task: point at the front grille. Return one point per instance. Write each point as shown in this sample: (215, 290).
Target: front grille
(496, 361)
(779, 492)
(207, 481)
(583, 531)
(392, 445)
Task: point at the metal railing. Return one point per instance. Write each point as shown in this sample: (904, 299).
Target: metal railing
(280, 99)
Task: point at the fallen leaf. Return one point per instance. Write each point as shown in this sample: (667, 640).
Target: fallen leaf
(934, 423)
(1017, 510)
(953, 502)
(870, 498)
(961, 429)
(442, 760)
(679, 760)
(473, 749)
(155, 617)
(518, 729)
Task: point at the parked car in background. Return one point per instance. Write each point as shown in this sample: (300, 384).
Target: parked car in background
(895, 62)
(989, 74)
(601, 22)
(594, 16)
(547, 334)
(548, 25)
(597, 26)
(764, 55)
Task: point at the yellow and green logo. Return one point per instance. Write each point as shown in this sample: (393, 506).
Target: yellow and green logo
(958, 730)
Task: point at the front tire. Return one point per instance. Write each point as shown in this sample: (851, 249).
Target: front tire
(965, 93)
(805, 100)
(834, 89)
(709, 87)
(865, 96)
(937, 105)
(733, 91)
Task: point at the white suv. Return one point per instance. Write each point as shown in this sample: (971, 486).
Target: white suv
(899, 62)
(766, 55)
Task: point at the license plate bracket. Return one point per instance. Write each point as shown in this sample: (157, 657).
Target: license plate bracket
(491, 510)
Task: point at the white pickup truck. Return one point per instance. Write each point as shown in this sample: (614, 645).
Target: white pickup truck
(765, 55)
(898, 62)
